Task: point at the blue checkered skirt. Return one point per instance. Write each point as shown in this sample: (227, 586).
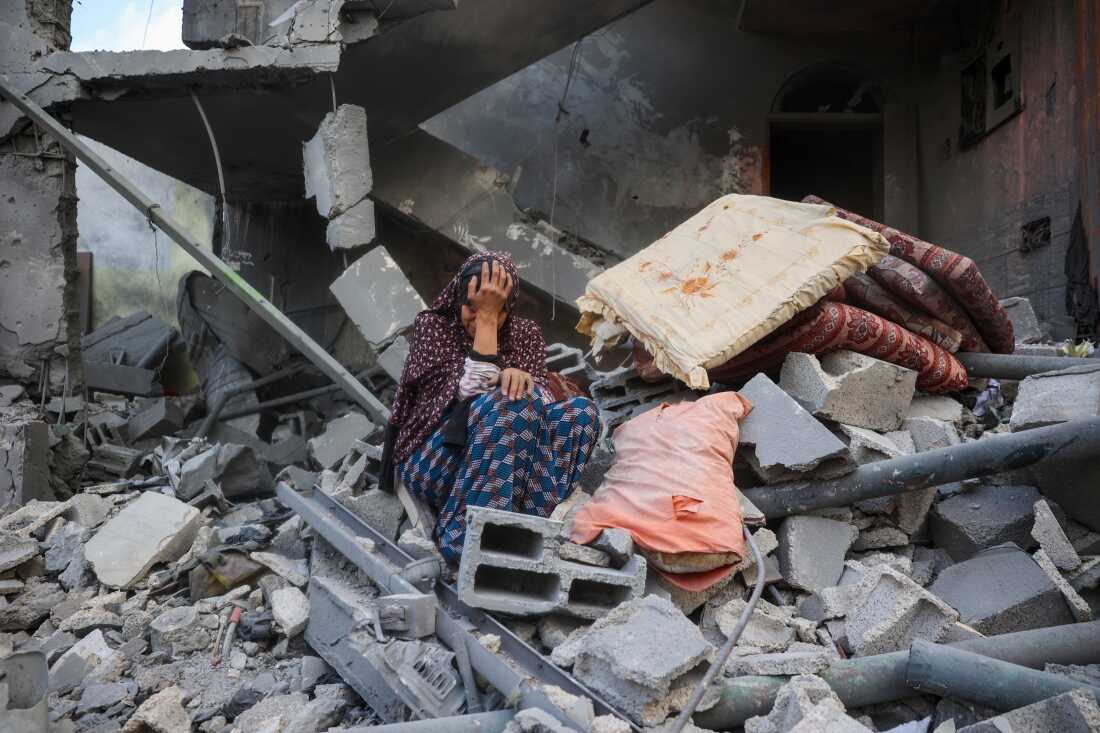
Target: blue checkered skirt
(522, 455)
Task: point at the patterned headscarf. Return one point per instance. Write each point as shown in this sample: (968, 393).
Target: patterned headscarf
(437, 356)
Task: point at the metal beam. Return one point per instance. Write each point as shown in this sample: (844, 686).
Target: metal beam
(1018, 366)
(234, 282)
(992, 455)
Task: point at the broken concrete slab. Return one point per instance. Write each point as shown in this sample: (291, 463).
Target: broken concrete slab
(929, 433)
(1025, 324)
(159, 417)
(766, 630)
(16, 550)
(153, 528)
(377, 296)
(24, 464)
(91, 657)
(811, 551)
(290, 607)
(1078, 606)
(1001, 589)
(892, 611)
(161, 713)
(392, 359)
(786, 663)
(31, 606)
(337, 161)
(794, 702)
(330, 447)
(636, 653)
(1070, 712)
(380, 509)
(1052, 539)
(984, 517)
(850, 388)
(295, 572)
(353, 228)
(938, 407)
(874, 538)
(1054, 397)
(781, 441)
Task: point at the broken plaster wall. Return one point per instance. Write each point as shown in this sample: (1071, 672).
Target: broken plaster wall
(131, 269)
(674, 99)
(976, 199)
(39, 313)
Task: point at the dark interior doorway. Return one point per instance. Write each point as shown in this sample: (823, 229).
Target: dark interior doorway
(840, 164)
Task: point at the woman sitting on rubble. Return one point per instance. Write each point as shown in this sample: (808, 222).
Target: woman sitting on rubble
(474, 423)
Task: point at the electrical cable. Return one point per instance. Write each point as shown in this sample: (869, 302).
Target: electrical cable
(727, 649)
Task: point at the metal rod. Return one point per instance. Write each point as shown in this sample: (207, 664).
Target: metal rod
(280, 401)
(494, 722)
(881, 678)
(1018, 366)
(256, 302)
(224, 397)
(933, 468)
(943, 671)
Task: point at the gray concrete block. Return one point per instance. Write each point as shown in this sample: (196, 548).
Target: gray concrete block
(766, 631)
(929, 433)
(874, 538)
(617, 543)
(353, 228)
(892, 611)
(153, 528)
(377, 296)
(290, 607)
(850, 388)
(178, 631)
(1000, 590)
(793, 703)
(635, 654)
(939, 407)
(1054, 397)
(811, 551)
(1025, 324)
(1049, 534)
(159, 417)
(1070, 712)
(24, 464)
(780, 440)
(330, 447)
(1078, 606)
(380, 509)
(16, 550)
(337, 161)
(510, 564)
(984, 517)
(1087, 576)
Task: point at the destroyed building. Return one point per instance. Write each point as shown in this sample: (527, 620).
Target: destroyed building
(211, 259)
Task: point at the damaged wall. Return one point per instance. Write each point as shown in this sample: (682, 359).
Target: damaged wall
(129, 273)
(38, 303)
(977, 199)
(667, 109)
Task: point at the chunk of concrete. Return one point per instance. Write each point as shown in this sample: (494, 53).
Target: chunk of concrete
(796, 701)
(584, 554)
(160, 416)
(892, 612)
(780, 440)
(1049, 534)
(380, 509)
(635, 653)
(16, 550)
(153, 528)
(1078, 606)
(850, 388)
(1071, 712)
(803, 661)
(929, 433)
(377, 296)
(178, 631)
(811, 551)
(24, 464)
(617, 543)
(337, 161)
(875, 538)
(31, 606)
(353, 228)
(984, 517)
(392, 359)
(329, 448)
(295, 572)
(1000, 590)
(1025, 324)
(766, 631)
(90, 657)
(937, 407)
(161, 713)
(1054, 397)
(290, 607)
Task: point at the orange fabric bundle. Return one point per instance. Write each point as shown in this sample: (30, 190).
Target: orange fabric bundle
(671, 485)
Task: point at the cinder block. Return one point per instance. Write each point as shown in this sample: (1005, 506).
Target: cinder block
(1001, 590)
(988, 516)
(160, 417)
(811, 551)
(510, 564)
(850, 388)
(337, 161)
(1050, 536)
(892, 611)
(781, 441)
(1054, 397)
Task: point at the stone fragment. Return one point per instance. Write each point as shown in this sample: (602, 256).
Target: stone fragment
(380, 509)
(1087, 576)
(1025, 324)
(793, 703)
(987, 516)
(1052, 539)
(27, 520)
(636, 652)
(290, 607)
(178, 631)
(617, 543)
(768, 632)
(811, 551)
(1000, 590)
(64, 545)
(1054, 397)
(337, 161)
(929, 433)
(876, 538)
(803, 661)
(1078, 606)
(88, 619)
(1070, 712)
(584, 554)
(31, 606)
(850, 388)
(88, 510)
(938, 407)
(535, 720)
(781, 440)
(377, 296)
(609, 724)
(578, 709)
(867, 446)
(295, 572)
(554, 629)
(353, 228)
(161, 713)
(272, 714)
(102, 696)
(392, 360)
(417, 545)
(16, 550)
(329, 448)
(892, 611)
(154, 528)
(89, 658)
